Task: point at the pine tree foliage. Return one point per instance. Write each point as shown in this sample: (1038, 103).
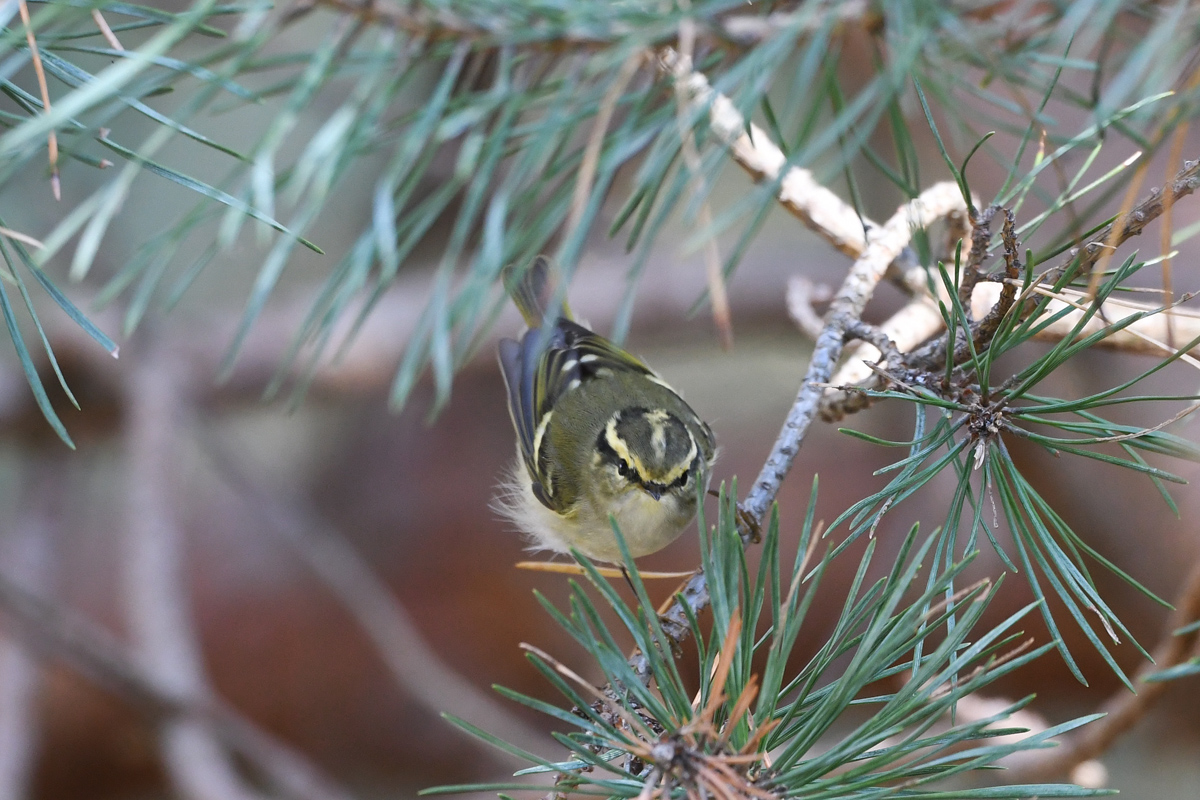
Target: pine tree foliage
(496, 131)
(774, 730)
(507, 93)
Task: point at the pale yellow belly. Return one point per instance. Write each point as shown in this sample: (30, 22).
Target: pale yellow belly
(648, 525)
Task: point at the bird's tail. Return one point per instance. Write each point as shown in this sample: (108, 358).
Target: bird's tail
(535, 290)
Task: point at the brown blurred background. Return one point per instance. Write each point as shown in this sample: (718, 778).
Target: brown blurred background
(268, 509)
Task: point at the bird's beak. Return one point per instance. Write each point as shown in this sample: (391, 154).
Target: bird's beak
(655, 493)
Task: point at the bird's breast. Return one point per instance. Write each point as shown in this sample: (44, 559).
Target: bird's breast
(648, 525)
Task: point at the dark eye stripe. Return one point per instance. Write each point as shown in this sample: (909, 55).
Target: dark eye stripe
(606, 451)
(608, 455)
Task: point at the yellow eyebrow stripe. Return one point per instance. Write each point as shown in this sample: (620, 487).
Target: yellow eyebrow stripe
(684, 465)
(622, 450)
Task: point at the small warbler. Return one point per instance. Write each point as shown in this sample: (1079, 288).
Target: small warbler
(600, 437)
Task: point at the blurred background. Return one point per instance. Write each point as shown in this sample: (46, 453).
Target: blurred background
(335, 567)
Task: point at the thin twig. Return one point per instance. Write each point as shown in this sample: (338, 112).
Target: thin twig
(692, 594)
(836, 221)
(1117, 230)
(908, 328)
(979, 336)
(1167, 229)
(106, 31)
(52, 137)
(21, 237)
(985, 330)
(1178, 142)
(440, 24)
(751, 148)
(847, 306)
(860, 331)
(913, 324)
(920, 319)
(801, 294)
(1082, 260)
(822, 211)
(816, 206)
(691, 158)
(1123, 709)
(981, 237)
(595, 143)
(1126, 226)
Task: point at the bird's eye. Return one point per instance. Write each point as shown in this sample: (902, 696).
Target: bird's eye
(623, 469)
(682, 480)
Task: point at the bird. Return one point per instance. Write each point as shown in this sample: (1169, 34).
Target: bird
(601, 438)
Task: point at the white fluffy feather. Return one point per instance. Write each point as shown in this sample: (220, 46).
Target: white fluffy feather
(648, 525)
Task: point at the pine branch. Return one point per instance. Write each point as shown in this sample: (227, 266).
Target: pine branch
(440, 24)
(1080, 260)
(752, 149)
(921, 318)
(884, 246)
